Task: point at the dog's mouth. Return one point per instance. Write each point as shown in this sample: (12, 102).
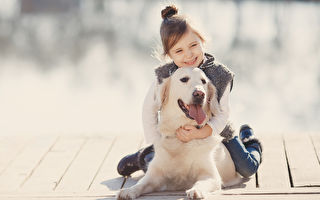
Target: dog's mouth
(193, 111)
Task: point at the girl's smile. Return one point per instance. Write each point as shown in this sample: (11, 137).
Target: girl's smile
(192, 62)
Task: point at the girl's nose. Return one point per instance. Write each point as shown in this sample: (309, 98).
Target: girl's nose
(189, 54)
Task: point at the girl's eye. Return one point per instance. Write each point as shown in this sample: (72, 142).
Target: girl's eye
(203, 81)
(184, 80)
(179, 51)
(193, 45)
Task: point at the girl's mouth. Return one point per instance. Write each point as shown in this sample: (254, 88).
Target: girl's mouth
(192, 62)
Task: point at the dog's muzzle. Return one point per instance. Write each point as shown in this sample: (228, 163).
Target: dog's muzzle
(194, 111)
(198, 97)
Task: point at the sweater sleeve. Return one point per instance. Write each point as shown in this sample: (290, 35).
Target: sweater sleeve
(219, 122)
(150, 116)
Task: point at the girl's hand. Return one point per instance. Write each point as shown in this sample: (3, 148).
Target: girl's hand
(188, 133)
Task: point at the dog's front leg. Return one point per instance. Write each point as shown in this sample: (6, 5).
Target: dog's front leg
(207, 182)
(149, 183)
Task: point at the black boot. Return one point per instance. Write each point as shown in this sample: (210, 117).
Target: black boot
(249, 140)
(137, 161)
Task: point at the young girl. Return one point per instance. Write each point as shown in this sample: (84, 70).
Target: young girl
(184, 45)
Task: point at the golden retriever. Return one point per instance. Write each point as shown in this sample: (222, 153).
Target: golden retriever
(200, 166)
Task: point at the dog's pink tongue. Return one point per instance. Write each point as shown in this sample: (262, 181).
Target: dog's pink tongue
(196, 112)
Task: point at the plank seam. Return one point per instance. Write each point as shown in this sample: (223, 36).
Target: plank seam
(314, 148)
(257, 180)
(124, 181)
(15, 157)
(75, 156)
(287, 161)
(177, 193)
(100, 167)
(40, 161)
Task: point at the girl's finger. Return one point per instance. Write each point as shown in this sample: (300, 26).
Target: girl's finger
(188, 127)
(185, 131)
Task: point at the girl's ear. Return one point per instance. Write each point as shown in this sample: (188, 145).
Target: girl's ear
(163, 92)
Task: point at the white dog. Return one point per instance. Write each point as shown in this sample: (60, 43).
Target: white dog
(199, 166)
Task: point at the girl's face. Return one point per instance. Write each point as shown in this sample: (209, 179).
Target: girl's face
(188, 51)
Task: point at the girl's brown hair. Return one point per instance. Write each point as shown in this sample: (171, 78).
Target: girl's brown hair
(173, 27)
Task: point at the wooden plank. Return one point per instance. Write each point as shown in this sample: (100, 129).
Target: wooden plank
(238, 191)
(316, 144)
(273, 191)
(60, 198)
(250, 183)
(81, 173)
(55, 164)
(108, 180)
(303, 162)
(273, 171)
(10, 148)
(216, 197)
(256, 194)
(25, 163)
(290, 193)
(264, 197)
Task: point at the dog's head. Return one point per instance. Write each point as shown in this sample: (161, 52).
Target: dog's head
(186, 96)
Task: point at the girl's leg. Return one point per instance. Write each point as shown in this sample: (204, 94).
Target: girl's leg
(245, 153)
(137, 161)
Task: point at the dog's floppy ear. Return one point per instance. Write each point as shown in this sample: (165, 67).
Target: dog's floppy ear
(212, 101)
(163, 92)
(211, 92)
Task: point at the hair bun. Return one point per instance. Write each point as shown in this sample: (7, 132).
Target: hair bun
(169, 11)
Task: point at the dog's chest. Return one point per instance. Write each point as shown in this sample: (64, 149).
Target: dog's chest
(182, 171)
(180, 150)
(183, 162)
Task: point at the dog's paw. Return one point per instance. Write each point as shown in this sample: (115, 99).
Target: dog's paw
(126, 194)
(195, 193)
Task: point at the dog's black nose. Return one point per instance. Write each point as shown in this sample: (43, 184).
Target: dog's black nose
(198, 94)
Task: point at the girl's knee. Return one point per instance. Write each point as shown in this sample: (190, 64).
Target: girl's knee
(247, 173)
(249, 168)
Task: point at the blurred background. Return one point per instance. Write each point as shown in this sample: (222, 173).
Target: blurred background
(84, 66)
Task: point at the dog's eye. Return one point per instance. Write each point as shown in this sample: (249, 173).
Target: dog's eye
(203, 81)
(185, 79)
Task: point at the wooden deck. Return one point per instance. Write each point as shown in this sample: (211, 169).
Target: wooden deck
(82, 167)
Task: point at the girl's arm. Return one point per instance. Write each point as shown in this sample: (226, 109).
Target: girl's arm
(150, 116)
(219, 122)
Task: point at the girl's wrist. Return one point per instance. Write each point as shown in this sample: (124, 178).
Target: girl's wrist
(195, 135)
(207, 131)
(202, 133)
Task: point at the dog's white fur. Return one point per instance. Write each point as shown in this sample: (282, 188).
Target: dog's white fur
(199, 166)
